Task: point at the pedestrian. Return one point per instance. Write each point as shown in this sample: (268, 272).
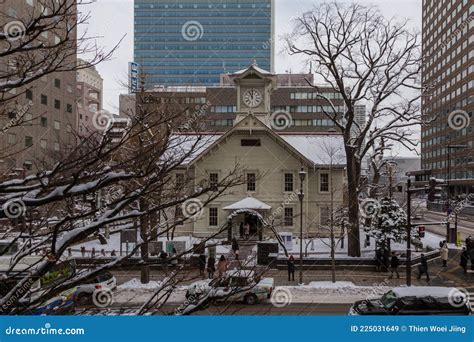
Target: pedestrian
(222, 266)
(291, 268)
(164, 260)
(174, 256)
(470, 252)
(83, 251)
(235, 248)
(378, 259)
(93, 252)
(211, 267)
(443, 252)
(394, 263)
(423, 268)
(464, 260)
(386, 259)
(202, 264)
(246, 230)
(113, 253)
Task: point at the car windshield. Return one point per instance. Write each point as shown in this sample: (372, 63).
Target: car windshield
(389, 299)
(104, 277)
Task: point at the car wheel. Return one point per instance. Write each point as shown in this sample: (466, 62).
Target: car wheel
(250, 299)
(83, 298)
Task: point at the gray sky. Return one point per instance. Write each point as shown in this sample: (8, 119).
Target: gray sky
(112, 19)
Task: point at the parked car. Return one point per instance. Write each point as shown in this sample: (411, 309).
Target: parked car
(416, 300)
(103, 281)
(233, 287)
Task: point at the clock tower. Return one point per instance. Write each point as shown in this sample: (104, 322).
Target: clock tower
(254, 88)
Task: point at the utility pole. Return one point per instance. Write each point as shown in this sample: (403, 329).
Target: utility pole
(408, 259)
(302, 175)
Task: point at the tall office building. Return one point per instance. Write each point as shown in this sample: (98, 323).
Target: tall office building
(47, 105)
(89, 98)
(192, 42)
(448, 143)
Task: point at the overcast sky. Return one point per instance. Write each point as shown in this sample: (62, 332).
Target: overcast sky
(112, 19)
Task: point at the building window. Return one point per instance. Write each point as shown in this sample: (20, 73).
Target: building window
(69, 108)
(324, 216)
(11, 138)
(213, 180)
(56, 146)
(68, 128)
(57, 104)
(57, 125)
(180, 180)
(28, 165)
(288, 218)
(28, 141)
(29, 94)
(43, 143)
(251, 182)
(288, 182)
(44, 99)
(213, 217)
(323, 182)
(69, 88)
(57, 83)
(44, 121)
(250, 142)
(178, 214)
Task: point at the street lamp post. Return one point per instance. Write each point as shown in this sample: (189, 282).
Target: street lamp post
(302, 175)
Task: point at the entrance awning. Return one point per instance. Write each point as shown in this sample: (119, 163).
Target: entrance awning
(248, 203)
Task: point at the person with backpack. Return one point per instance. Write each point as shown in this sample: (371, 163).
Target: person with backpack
(394, 263)
(423, 268)
(291, 268)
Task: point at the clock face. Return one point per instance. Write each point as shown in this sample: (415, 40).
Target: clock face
(252, 98)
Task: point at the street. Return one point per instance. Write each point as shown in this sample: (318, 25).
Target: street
(465, 224)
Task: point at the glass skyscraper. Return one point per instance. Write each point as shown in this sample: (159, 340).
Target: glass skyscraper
(192, 42)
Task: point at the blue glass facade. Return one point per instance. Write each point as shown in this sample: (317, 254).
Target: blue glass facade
(188, 42)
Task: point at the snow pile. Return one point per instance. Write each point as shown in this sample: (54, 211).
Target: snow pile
(136, 284)
(330, 284)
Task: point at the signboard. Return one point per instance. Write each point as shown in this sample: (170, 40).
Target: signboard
(132, 77)
(266, 253)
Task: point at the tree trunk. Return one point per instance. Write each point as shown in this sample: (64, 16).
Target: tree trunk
(353, 182)
(144, 224)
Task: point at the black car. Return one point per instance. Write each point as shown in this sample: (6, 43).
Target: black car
(416, 300)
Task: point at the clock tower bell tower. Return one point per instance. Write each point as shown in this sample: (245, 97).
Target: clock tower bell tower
(254, 88)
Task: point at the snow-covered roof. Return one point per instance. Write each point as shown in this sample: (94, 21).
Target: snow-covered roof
(248, 203)
(255, 67)
(320, 149)
(182, 144)
(424, 291)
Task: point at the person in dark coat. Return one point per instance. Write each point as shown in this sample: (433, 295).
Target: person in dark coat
(211, 267)
(394, 263)
(291, 268)
(464, 260)
(235, 248)
(378, 259)
(202, 264)
(423, 268)
(386, 259)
